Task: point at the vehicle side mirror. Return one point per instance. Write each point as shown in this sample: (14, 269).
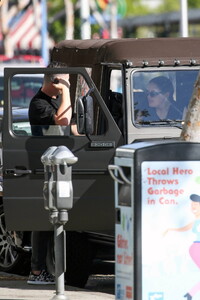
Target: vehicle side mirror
(85, 115)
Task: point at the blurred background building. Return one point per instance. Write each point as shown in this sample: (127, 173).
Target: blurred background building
(30, 28)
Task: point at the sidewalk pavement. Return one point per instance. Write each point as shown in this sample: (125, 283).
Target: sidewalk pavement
(16, 287)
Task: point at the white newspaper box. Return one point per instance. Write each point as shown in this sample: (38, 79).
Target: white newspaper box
(157, 231)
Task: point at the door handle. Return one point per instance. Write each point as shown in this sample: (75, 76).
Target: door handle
(17, 172)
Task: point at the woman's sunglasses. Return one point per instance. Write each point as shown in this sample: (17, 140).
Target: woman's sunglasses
(153, 93)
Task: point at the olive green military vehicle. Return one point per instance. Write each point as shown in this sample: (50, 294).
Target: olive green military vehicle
(111, 107)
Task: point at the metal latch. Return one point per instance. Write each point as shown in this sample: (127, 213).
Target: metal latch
(124, 179)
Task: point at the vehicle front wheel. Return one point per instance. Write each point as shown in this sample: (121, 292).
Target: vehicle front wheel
(12, 258)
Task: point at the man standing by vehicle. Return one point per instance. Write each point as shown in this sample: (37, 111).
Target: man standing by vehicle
(50, 106)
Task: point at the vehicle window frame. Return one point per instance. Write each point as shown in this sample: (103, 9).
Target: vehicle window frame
(10, 72)
(154, 70)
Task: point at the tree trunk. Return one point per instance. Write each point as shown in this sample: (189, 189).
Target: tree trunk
(191, 127)
(113, 19)
(69, 12)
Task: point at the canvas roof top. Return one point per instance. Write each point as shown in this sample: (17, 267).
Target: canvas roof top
(87, 53)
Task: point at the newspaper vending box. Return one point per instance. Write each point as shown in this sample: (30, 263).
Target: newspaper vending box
(157, 231)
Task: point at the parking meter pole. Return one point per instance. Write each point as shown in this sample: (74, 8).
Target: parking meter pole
(60, 265)
(58, 196)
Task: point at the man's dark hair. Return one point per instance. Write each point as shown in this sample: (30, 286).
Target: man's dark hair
(56, 64)
(53, 64)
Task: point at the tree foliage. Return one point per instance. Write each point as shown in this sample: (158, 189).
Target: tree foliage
(56, 27)
(56, 13)
(137, 7)
(194, 3)
(171, 5)
(168, 5)
(134, 8)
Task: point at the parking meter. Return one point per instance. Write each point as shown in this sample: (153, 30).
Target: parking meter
(62, 192)
(48, 178)
(58, 199)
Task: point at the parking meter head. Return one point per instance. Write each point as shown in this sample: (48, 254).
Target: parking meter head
(61, 189)
(62, 156)
(45, 158)
(48, 179)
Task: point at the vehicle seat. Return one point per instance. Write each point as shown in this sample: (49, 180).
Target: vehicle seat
(115, 107)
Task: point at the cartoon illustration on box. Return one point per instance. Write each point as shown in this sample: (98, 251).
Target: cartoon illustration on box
(170, 221)
(194, 249)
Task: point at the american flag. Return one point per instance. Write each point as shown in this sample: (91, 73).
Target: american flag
(25, 30)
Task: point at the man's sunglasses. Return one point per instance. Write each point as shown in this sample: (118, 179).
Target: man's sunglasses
(153, 93)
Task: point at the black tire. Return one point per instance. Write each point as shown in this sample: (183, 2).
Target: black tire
(12, 259)
(79, 259)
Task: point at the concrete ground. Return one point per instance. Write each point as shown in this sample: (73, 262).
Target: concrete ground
(16, 287)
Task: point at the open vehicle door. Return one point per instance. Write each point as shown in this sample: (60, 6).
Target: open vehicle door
(23, 174)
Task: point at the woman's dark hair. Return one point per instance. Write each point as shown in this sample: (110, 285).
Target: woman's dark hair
(164, 84)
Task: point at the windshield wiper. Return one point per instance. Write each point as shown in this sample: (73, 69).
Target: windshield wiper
(172, 123)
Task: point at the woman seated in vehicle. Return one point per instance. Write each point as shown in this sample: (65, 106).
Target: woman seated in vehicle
(161, 103)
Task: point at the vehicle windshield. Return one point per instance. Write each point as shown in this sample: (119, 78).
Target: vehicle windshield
(161, 97)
